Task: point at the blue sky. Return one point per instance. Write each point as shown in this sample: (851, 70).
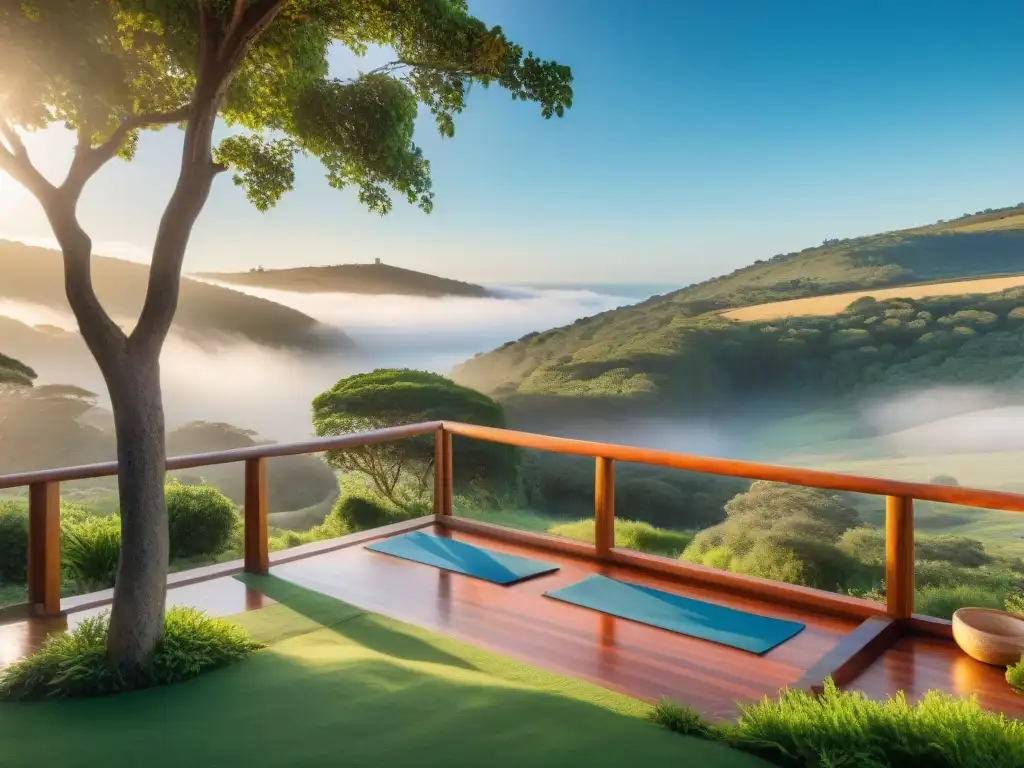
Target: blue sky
(704, 135)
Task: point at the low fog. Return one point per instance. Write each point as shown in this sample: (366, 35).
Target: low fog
(270, 390)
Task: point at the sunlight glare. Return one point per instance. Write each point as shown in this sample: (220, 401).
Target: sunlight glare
(11, 192)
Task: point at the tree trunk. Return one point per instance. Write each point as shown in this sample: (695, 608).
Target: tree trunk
(137, 618)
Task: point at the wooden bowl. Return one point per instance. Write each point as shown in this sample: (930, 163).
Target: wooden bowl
(994, 637)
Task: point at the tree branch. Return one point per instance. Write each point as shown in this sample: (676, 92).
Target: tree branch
(89, 159)
(15, 145)
(219, 59)
(392, 66)
(101, 334)
(236, 20)
(15, 161)
(255, 18)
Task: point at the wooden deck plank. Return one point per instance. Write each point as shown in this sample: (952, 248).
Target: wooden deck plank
(638, 660)
(520, 622)
(852, 654)
(916, 664)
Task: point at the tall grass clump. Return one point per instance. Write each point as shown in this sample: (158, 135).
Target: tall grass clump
(839, 728)
(75, 663)
(13, 542)
(1015, 676)
(630, 534)
(90, 550)
(943, 602)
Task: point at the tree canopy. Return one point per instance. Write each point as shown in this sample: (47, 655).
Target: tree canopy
(110, 68)
(15, 373)
(781, 532)
(392, 397)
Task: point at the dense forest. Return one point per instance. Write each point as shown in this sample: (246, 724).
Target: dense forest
(697, 362)
(661, 345)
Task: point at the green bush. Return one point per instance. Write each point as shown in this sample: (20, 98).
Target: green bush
(200, 518)
(1014, 603)
(868, 546)
(361, 513)
(928, 573)
(942, 602)
(90, 550)
(629, 534)
(1015, 676)
(683, 720)
(840, 728)
(75, 663)
(13, 542)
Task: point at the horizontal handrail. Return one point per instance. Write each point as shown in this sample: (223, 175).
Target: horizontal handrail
(812, 478)
(269, 451)
(970, 497)
(44, 505)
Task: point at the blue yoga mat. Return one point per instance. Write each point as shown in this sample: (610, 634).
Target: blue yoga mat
(747, 631)
(459, 557)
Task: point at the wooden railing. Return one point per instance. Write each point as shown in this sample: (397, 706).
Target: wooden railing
(44, 509)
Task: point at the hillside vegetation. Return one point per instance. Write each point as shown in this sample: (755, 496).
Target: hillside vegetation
(36, 276)
(680, 343)
(946, 340)
(837, 302)
(377, 279)
(14, 372)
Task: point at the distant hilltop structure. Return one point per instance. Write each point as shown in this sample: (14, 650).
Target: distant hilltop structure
(372, 277)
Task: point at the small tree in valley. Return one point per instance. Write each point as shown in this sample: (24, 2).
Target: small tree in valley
(400, 470)
(109, 69)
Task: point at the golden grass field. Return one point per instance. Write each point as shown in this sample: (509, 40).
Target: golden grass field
(836, 303)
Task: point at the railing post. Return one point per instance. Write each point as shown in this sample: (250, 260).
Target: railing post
(604, 506)
(442, 472)
(44, 548)
(257, 553)
(899, 556)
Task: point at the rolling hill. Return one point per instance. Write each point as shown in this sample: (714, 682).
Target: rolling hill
(374, 279)
(36, 276)
(671, 349)
(817, 306)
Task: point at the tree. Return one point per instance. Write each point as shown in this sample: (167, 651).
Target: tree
(14, 373)
(109, 69)
(391, 397)
(782, 532)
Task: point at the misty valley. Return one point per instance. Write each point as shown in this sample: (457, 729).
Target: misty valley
(381, 384)
(923, 385)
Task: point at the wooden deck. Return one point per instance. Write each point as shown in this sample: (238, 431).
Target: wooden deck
(638, 660)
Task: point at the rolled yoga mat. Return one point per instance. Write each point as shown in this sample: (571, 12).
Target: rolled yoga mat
(459, 557)
(727, 626)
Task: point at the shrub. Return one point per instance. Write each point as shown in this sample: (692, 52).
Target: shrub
(90, 550)
(13, 542)
(1014, 603)
(1015, 676)
(74, 663)
(958, 550)
(629, 534)
(942, 602)
(360, 513)
(683, 720)
(868, 546)
(840, 728)
(201, 519)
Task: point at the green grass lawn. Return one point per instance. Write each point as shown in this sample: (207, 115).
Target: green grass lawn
(339, 686)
